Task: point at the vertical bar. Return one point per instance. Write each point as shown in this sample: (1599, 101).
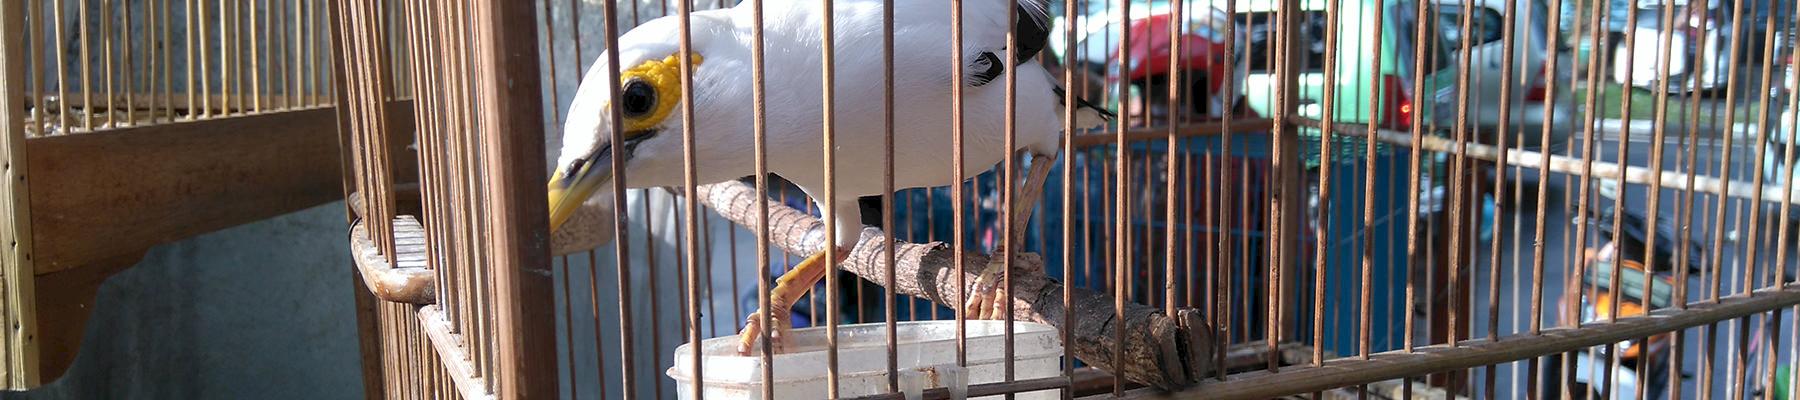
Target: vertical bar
(227, 55)
(167, 94)
(1121, 227)
(198, 29)
(620, 245)
(654, 282)
(1069, 63)
(62, 74)
(15, 207)
(689, 179)
(37, 76)
(87, 89)
(1009, 169)
(956, 180)
(1543, 192)
(512, 130)
(829, 208)
(759, 130)
(1225, 225)
(887, 190)
(125, 53)
(1286, 209)
(256, 54)
(320, 87)
(297, 86)
(1412, 189)
(1171, 163)
(1323, 229)
(1757, 178)
(1365, 321)
(106, 61)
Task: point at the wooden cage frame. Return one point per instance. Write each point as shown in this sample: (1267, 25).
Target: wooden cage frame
(136, 186)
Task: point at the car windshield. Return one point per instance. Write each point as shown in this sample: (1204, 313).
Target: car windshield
(1406, 24)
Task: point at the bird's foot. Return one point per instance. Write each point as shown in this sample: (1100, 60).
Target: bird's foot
(988, 298)
(788, 289)
(750, 339)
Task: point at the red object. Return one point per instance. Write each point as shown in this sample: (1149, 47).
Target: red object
(1537, 92)
(1152, 33)
(1397, 108)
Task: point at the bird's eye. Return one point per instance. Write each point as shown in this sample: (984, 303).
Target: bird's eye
(638, 99)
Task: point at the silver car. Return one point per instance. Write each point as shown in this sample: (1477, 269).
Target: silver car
(1530, 94)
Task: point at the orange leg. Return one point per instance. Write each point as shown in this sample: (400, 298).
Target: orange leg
(788, 289)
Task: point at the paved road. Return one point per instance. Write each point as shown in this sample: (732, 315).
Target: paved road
(1517, 225)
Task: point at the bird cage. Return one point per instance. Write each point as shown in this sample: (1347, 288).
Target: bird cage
(1333, 197)
(140, 123)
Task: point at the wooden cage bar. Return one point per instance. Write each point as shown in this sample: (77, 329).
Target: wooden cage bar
(18, 307)
(458, 262)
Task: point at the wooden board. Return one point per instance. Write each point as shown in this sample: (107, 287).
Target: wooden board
(167, 182)
(65, 301)
(139, 187)
(18, 309)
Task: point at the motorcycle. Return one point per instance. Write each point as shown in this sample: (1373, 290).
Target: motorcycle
(1593, 293)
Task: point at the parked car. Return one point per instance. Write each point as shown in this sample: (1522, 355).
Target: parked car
(1531, 73)
(1698, 47)
(1203, 44)
(1358, 78)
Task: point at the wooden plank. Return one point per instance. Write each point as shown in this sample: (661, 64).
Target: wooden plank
(18, 303)
(65, 301)
(1476, 352)
(512, 137)
(166, 182)
(407, 280)
(139, 187)
(450, 349)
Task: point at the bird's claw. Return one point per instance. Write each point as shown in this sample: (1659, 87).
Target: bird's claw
(988, 299)
(750, 338)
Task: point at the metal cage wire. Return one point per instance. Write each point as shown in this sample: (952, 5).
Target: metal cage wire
(1199, 226)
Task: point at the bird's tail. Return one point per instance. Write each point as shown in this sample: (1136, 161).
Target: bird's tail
(1087, 115)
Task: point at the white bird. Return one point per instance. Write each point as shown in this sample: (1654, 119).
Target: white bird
(723, 118)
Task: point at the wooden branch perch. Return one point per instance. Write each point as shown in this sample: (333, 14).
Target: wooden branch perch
(1159, 351)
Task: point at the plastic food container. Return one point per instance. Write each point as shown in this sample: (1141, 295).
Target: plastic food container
(926, 357)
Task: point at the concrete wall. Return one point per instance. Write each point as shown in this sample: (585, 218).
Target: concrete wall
(259, 311)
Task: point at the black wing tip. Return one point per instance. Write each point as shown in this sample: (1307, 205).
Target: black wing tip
(1105, 114)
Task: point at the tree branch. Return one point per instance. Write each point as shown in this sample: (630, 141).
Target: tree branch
(1158, 350)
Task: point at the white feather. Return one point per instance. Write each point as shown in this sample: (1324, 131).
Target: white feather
(923, 145)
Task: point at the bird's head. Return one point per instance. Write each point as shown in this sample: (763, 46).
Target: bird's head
(649, 111)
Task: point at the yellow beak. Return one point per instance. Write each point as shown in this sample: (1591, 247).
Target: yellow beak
(570, 187)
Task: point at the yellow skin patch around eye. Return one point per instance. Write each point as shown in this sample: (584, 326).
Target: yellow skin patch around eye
(665, 76)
